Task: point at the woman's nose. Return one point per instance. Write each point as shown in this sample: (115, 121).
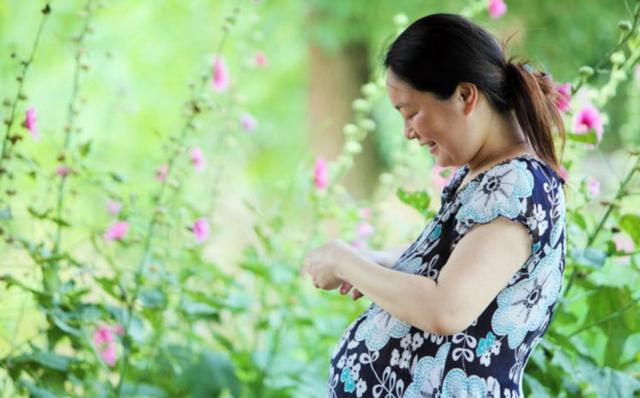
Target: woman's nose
(409, 133)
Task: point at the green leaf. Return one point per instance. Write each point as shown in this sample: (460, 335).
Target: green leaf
(5, 213)
(84, 149)
(209, 375)
(153, 298)
(579, 220)
(256, 267)
(630, 223)
(589, 256)
(198, 309)
(606, 382)
(587, 138)
(110, 286)
(46, 215)
(142, 390)
(46, 359)
(35, 391)
(602, 306)
(419, 200)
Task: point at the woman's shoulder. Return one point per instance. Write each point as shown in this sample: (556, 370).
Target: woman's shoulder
(528, 167)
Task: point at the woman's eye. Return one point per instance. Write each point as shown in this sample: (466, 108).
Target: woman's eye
(412, 116)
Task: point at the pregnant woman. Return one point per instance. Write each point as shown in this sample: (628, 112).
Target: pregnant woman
(458, 312)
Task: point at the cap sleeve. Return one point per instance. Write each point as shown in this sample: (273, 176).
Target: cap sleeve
(523, 191)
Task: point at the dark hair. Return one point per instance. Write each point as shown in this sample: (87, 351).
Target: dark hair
(438, 51)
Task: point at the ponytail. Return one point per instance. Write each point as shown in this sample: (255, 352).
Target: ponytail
(533, 96)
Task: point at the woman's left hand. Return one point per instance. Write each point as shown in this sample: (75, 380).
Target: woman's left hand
(323, 264)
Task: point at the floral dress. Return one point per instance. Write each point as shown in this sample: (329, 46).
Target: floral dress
(382, 356)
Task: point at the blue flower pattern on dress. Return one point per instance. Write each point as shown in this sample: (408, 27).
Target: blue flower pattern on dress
(378, 355)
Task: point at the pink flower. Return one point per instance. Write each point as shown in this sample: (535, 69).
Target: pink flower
(261, 59)
(31, 123)
(117, 230)
(623, 243)
(102, 336)
(220, 80)
(438, 178)
(248, 122)
(161, 172)
(564, 96)
(197, 159)
(364, 230)
(63, 171)
(365, 213)
(496, 8)
(588, 119)
(562, 172)
(108, 355)
(104, 342)
(113, 207)
(321, 174)
(201, 229)
(593, 186)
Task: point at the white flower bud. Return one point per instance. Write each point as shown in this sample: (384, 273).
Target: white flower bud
(361, 105)
(350, 130)
(618, 57)
(367, 124)
(369, 89)
(353, 147)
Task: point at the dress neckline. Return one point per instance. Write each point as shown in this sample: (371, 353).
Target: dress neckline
(455, 190)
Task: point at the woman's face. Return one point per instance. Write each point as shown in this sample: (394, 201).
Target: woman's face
(443, 126)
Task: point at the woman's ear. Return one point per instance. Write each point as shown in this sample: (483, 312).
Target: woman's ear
(468, 95)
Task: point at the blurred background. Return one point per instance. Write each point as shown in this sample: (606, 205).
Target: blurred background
(125, 91)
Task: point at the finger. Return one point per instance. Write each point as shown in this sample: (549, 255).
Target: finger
(356, 294)
(344, 289)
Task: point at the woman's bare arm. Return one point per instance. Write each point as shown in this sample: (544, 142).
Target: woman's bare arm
(386, 258)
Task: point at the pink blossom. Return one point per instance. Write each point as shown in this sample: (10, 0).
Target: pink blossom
(321, 174)
(108, 355)
(365, 213)
(564, 96)
(113, 207)
(104, 341)
(496, 8)
(117, 230)
(588, 119)
(623, 243)
(220, 80)
(261, 59)
(201, 229)
(31, 122)
(593, 186)
(364, 230)
(102, 336)
(161, 172)
(63, 171)
(248, 122)
(562, 172)
(438, 178)
(197, 159)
